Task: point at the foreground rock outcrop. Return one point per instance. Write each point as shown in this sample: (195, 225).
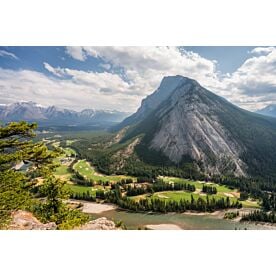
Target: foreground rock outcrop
(99, 224)
(23, 220)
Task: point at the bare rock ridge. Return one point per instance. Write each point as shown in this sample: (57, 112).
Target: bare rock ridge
(189, 126)
(184, 121)
(152, 101)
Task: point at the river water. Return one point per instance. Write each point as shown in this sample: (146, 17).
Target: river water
(185, 221)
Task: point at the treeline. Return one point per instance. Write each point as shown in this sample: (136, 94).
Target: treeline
(139, 168)
(163, 206)
(144, 179)
(79, 179)
(261, 216)
(100, 194)
(269, 201)
(88, 196)
(210, 190)
(159, 186)
(231, 215)
(253, 186)
(259, 188)
(83, 196)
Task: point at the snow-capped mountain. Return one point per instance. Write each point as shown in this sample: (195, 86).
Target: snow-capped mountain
(52, 115)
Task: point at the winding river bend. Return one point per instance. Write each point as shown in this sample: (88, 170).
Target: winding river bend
(184, 221)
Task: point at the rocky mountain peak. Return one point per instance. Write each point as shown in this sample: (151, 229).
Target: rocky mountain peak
(182, 122)
(167, 86)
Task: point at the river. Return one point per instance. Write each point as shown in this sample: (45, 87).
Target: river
(184, 221)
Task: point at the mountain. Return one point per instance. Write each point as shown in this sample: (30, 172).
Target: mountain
(152, 101)
(269, 110)
(182, 122)
(22, 111)
(54, 116)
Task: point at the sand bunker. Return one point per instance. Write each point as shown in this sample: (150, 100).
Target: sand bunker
(229, 195)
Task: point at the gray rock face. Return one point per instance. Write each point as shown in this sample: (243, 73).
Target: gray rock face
(184, 121)
(152, 101)
(189, 126)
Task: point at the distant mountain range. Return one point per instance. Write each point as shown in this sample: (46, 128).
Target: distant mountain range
(54, 116)
(182, 122)
(269, 110)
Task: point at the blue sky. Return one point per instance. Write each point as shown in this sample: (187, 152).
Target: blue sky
(120, 77)
(229, 58)
(32, 58)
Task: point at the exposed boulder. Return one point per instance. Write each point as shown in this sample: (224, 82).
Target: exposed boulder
(23, 220)
(99, 224)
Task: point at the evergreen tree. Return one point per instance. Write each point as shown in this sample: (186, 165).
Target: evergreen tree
(17, 147)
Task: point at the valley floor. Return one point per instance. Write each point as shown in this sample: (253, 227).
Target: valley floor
(96, 209)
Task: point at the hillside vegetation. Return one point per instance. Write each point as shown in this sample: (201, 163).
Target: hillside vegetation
(35, 189)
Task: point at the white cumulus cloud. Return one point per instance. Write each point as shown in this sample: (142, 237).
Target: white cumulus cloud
(262, 50)
(253, 84)
(76, 53)
(81, 89)
(144, 67)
